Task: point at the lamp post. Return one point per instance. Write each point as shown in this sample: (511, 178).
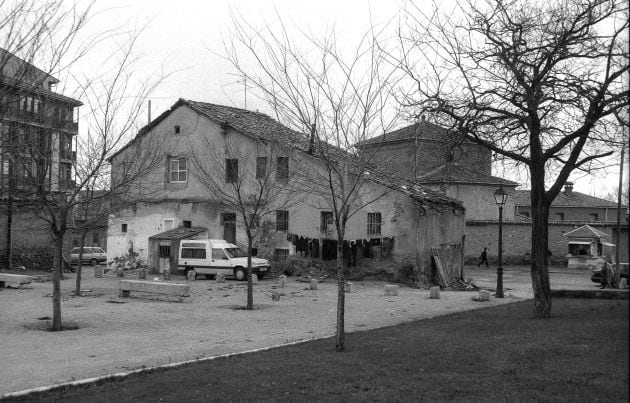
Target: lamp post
(500, 197)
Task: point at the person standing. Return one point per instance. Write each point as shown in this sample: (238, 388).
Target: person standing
(484, 257)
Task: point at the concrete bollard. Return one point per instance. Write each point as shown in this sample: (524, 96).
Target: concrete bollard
(391, 290)
(191, 275)
(348, 287)
(220, 277)
(313, 284)
(282, 281)
(275, 296)
(120, 271)
(434, 292)
(167, 274)
(623, 283)
(98, 271)
(254, 279)
(484, 295)
(142, 274)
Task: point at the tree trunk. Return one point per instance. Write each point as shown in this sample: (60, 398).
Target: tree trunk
(57, 273)
(250, 286)
(10, 218)
(341, 294)
(540, 248)
(77, 288)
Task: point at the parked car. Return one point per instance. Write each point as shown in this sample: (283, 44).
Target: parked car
(596, 272)
(92, 255)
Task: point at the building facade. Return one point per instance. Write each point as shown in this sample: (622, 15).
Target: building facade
(37, 130)
(399, 218)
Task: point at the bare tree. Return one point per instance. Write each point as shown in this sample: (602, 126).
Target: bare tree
(538, 84)
(249, 177)
(336, 98)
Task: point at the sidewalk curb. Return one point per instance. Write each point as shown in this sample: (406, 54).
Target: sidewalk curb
(595, 294)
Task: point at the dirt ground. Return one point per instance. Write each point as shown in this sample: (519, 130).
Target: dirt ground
(116, 334)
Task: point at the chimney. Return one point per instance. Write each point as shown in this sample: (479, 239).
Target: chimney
(568, 188)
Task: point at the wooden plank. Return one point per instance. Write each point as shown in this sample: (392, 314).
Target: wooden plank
(438, 264)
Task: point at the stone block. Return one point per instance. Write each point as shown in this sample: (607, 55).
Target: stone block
(391, 290)
(282, 281)
(623, 283)
(14, 280)
(220, 278)
(158, 287)
(484, 295)
(191, 275)
(142, 274)
(254, 279)
(167, 274)
(348, 287)
(434, 292)
(275, 296)
(313, 284)
(98, 271)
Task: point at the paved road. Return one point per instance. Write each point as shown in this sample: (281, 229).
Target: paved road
(518, 278)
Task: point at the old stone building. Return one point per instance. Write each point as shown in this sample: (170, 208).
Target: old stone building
(400, 218)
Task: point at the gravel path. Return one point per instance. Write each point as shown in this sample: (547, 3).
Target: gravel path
(117, 335)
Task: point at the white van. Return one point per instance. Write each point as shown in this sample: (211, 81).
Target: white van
(213, 256)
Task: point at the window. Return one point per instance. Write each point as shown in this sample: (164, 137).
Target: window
(593, 217)
(374, 223)
(261, 167)
(96, 239)
(282, 172)
(218, 254)
(198, 252)
(560, 216)
(179, 170)
(123, 228)
(169, 224)
(176, 129)
(187, 224)
(280, 255)
(525, 214)
(282, 220)
(231, 170)
(326, 221)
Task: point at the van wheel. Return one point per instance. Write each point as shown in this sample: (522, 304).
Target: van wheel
(260, 276)
(239, 274)
(93, 262)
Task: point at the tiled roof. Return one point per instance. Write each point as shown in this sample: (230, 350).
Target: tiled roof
(572, 199)
(264, 127)
(456, 173)
(421, 130)
(586, 231)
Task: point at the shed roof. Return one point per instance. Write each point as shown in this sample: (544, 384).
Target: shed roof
(456, 173)
(179, 233)
(421, 130)
(566, 199)
(586, 231)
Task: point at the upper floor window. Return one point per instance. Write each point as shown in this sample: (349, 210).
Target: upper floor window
(261, 167)
(178, 170)
(282, 172)
(123, 228)
(326, 221)
(177, 129)
(231, 170)
(593, 217)
(560, 216)
(374, 223)
(282, 220)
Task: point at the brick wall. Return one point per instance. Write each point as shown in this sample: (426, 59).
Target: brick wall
(517, 240)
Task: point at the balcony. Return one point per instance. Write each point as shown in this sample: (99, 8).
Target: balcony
(43, 119)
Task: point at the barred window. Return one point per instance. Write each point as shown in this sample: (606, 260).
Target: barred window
(326, 221)
(280, 255)
(374, 224)
(282, 220)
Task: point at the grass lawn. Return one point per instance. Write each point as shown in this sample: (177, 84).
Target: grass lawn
(496, 354)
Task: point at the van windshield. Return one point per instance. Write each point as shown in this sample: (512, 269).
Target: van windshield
(235, 252)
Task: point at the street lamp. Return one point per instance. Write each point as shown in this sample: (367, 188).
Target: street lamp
(500, 197)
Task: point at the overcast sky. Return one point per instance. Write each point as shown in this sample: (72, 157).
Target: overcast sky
(181, 36)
